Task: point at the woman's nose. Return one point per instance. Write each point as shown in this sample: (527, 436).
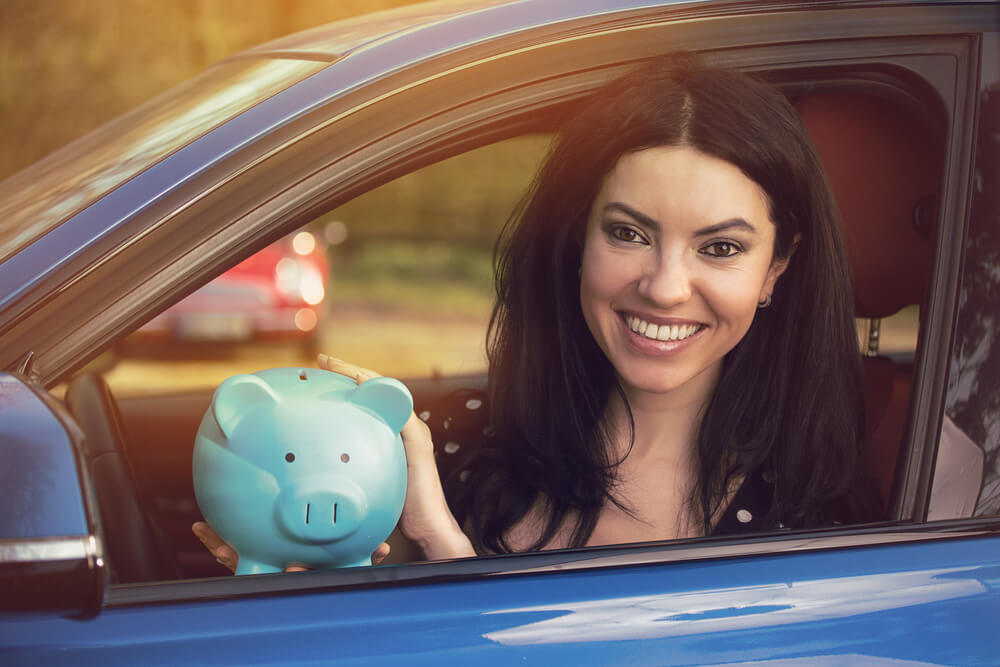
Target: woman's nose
(666, 281)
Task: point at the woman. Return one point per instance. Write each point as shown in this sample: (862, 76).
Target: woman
(673, 336)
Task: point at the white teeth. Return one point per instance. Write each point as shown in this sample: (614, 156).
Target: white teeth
(665, 332)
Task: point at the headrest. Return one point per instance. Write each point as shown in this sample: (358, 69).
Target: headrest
(882, 168)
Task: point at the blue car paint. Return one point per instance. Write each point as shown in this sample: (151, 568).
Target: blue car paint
(39, 483)
(852, 606)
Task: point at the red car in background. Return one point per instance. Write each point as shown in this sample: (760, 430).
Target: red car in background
(274, 295)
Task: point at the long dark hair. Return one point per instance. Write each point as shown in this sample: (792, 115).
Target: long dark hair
(789, 396)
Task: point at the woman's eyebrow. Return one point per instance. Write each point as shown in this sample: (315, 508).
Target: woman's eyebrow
(725, 225)
(629, 211)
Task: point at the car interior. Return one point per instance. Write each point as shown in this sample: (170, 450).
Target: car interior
(882, 145)
(884, 167)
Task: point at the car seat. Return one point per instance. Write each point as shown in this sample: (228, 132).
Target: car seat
(884, 169)
(137, 549)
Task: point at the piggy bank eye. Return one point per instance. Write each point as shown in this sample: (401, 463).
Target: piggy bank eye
(345, 457)
(289, 457)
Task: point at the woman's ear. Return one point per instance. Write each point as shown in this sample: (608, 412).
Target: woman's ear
(778, 266)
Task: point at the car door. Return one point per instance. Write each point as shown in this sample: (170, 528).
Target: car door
(907, 590)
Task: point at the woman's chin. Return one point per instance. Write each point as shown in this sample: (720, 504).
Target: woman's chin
(692, 384)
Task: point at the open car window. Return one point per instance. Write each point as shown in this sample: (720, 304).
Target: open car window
(407, 290)
(398, 280)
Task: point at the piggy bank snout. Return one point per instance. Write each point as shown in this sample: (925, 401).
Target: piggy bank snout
(322, 509)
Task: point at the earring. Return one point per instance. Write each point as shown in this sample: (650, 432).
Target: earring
(765, 303)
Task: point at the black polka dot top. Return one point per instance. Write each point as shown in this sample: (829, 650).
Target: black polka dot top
(459, 423)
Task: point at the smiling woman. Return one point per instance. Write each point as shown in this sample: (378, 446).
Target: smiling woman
(667, 301)
(672, 351)
(658, 298)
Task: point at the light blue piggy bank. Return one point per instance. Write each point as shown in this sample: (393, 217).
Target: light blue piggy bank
(302, 466)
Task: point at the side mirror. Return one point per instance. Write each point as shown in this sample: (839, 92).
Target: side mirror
(51, 551)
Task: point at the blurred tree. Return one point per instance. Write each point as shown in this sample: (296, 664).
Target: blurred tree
(67, 66)
(463, 200)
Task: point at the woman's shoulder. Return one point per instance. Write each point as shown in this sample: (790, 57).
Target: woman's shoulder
(752, 508)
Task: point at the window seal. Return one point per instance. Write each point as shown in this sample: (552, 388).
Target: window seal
(545, 562)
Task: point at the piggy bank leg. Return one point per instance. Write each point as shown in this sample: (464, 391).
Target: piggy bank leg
(247, 566)
(362, 563)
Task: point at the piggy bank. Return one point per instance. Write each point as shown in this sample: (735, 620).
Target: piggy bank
(302, 466)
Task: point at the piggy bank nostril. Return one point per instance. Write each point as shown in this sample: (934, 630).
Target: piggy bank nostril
(345, 457)
(289, 457)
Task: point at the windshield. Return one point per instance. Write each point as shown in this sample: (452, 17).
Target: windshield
(37, 199)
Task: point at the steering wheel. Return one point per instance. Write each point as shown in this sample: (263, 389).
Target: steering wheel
(137, 550)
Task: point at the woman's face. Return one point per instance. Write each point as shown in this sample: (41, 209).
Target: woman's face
(676, 257)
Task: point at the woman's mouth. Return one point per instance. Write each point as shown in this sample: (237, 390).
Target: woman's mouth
(662, 332)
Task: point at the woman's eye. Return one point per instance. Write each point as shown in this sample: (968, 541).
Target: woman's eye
(722, 249)
(627, 234)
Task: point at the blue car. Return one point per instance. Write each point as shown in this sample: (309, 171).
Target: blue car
(97, 563)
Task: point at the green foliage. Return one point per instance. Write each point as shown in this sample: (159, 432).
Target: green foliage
(422, 263)
(465, 199)
(435, 278)
(423, 243)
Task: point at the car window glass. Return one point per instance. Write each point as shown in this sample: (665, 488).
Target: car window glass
(398, 280)
(38, 198)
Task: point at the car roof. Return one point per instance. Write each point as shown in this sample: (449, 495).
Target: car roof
(462, 20)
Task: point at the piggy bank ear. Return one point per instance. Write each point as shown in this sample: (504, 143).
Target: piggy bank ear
(386, 397)
(238, 396)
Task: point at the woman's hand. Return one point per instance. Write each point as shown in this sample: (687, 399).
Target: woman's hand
(226, 555)
(426, 519)
(223, 553)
